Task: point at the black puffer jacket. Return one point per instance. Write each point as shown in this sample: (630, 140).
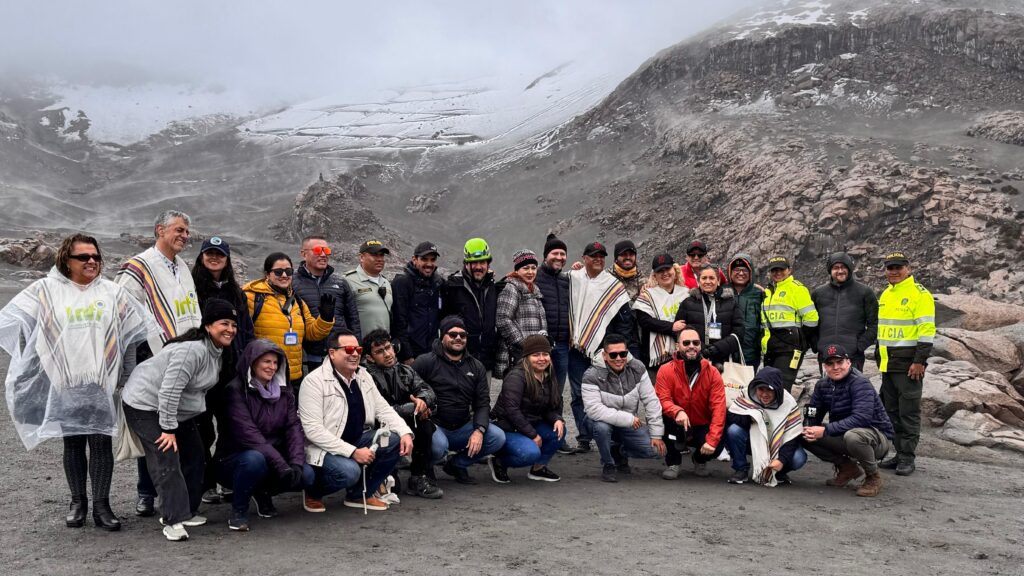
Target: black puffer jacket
(477, 304)
(516, 411)
(847, 312)
(691, 311)
(399, 382)
(554, 286)
(346, 315)
(462, 390)
(417, 311)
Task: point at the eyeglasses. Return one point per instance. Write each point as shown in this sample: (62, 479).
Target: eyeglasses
(321, 250)
(454, 335)
(283, 272)
(689, 342)
(350, 350)
(85, 257)
(622, 354)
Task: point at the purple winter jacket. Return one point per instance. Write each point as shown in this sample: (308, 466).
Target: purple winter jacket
(253, 423)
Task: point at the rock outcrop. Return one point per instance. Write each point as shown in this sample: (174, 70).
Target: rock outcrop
(37, 253)
(1005, 126)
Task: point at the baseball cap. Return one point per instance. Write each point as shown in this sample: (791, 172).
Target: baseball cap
(373, 247)
(216, 243)
(595, 248)
(897, 259)
(624, 246)
(661, 262)
(697, 245)
(777, 263)
(425, 248)
(834, 351)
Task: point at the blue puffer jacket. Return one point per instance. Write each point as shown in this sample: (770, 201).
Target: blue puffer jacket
(554, 286)
(850, 403)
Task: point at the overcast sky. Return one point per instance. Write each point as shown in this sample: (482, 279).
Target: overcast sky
(306, 48)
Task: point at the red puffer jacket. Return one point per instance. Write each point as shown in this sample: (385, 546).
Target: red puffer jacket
(705, 404)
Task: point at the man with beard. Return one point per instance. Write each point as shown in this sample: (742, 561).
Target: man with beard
(472, 294)
(374, 296)
(553, 283)
(463, 402)
(847, 309)
(159, 278)
(413, 400)
(625, 268)
(315, 277)
(417, 303)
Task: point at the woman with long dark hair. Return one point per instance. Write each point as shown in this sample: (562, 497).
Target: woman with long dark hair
(529, 410)
(163, 399)
(214, 277)
(72, 336)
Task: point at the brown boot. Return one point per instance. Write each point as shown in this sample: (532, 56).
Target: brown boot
(872, 485)
(846, 471)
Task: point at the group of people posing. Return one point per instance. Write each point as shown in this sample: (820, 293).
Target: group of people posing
(313, 380)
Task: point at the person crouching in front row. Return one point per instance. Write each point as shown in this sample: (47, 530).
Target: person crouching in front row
(343, 416)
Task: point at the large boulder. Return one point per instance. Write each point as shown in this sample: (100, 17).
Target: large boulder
(974, 312)
(976, 429)
(950, 387)
(1014, 333)
(986, 350)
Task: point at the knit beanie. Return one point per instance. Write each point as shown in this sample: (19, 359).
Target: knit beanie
(217, 309)
(449, 322)
(554, 243)
(536, 343)
(524, 258)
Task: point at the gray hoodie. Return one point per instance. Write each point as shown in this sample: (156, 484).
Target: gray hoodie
(175, 381)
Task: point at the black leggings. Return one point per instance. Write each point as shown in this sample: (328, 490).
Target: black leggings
(99, 465)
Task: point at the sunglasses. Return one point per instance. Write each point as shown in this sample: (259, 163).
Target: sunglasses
(350, 350)
(696, 254)
(85, 257)
(321, 250)
(457, 335)
(690, 342)
(894, 267)
(622, 354)
(283, 272)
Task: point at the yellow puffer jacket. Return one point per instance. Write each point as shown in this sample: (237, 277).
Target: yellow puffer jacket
(272, 323)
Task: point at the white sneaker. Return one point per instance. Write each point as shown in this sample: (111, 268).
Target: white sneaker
(196, 520)
(175, 533)
(671, 473)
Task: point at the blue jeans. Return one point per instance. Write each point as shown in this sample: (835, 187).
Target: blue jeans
(578, 364)
(634, 443)
(560, 362)
(737, 439)
(339, 472)
(247, 471)
(458, 439)
(521, 451)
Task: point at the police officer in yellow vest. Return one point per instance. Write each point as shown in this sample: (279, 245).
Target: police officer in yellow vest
(906, 330)
(790, 321)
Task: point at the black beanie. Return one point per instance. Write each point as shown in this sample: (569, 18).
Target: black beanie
(449, 322)
(554, 243)
(217, 309)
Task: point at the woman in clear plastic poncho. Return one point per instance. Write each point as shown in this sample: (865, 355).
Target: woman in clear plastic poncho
(67, 335)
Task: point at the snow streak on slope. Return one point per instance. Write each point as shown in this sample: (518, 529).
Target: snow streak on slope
(484, 110)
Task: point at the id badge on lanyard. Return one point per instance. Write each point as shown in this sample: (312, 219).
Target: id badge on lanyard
(291, 337)
(715, 330)
(713, 327)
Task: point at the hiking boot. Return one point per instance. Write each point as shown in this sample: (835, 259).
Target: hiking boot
(371, 503)
(846, 471)
(175, 533)
(311, 504)
(890, 463)
(423, 487)
(461, 475)
(872, 485)
(544, 474)
(583, 447)
(672, 472)
(144, 507)
(740, 476)
(608, 473)
(211, 496)
(906, 467)
(239, 522)
(264, 505)
(701, 469)
(564, 448)
(498, 471)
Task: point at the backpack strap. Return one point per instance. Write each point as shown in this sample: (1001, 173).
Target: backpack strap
(257, 306)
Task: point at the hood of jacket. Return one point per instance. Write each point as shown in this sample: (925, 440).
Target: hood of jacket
(741, 257)
(464, 277)
(839, 258)
(258, 348)
(773, 378)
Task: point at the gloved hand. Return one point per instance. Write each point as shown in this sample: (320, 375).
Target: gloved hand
(706, 352)
(327, 307)
(294, 477)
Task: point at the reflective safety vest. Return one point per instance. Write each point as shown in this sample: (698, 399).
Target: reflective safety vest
(906, 317)
(786, 305)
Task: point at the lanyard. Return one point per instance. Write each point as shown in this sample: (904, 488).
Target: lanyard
(710, 316)
(287, 309)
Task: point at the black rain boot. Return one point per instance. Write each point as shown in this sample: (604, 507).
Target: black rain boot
(77, 511)
(103, 516)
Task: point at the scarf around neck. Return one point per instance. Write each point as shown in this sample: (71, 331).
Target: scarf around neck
(623, 273)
